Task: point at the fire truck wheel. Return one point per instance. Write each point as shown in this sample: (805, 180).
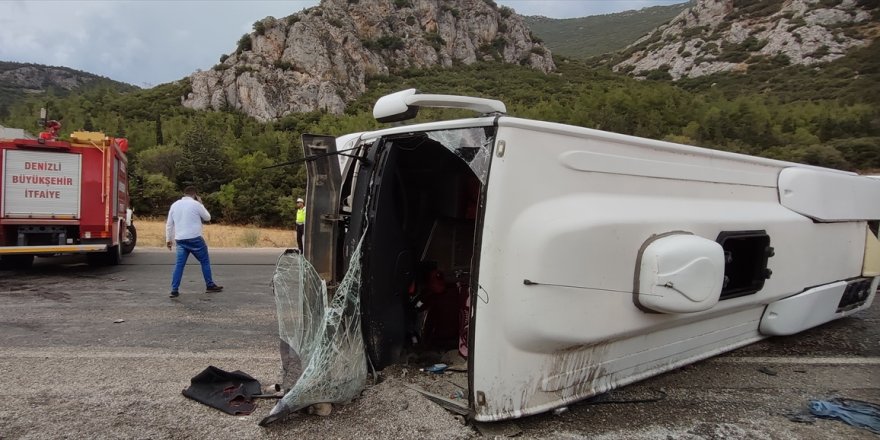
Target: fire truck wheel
(111, 257)
(114, 255)
(16, 261)
(130, 240)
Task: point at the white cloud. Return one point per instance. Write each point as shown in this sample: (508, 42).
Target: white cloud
(151, 42)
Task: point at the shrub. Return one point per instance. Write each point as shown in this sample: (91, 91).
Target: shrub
(505, 12)
(283, 65)
(292, 20)
(390, 42)
(796, 23)
(250, 237)
(242, 69)
(401, 3)
(693, 32)
(733, 56)
(820, 52)
(335, 22)
(752, 44)
(385, 42)
(754, 8)
(659, 75)
(451, 10)
(224, 57)
(828, 3)
(259, 27)
(435, 40)
(245, 43)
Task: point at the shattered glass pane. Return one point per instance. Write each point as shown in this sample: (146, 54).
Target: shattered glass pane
(325, 338)
(473, 145)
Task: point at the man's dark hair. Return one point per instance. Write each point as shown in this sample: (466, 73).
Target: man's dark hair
(190, 191)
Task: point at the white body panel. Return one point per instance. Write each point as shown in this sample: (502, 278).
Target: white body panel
(829, 197)
(568, 209)
(808, 309)
(41, 184)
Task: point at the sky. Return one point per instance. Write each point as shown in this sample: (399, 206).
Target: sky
(150, 42)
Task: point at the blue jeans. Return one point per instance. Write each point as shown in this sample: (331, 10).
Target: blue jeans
(199, 249)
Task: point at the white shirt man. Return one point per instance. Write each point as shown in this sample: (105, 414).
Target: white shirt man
(184, 226)
(185, 219)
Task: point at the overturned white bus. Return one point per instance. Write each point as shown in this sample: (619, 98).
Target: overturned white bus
(560, 261)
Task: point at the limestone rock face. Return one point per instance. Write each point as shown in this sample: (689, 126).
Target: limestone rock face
(320, 58)
(731, 35)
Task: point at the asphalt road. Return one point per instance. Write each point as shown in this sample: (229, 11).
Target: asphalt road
(69, 370)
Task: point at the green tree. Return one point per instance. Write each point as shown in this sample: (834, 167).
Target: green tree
(160, 159)
(155, 193)
(160, 139)
(203, 163)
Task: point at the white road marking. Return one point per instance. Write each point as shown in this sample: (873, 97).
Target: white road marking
(137, 353)
(853, 360)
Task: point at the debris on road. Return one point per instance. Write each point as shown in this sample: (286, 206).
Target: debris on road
(436, 368)
(447, 404)
(230, 392)
(321, 409)
(560, 411)
(852, 412)
(118, 321)
(768, 371)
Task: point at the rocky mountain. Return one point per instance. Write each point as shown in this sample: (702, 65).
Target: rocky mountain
(585, 37)
(37, 78)
(320, 58)
(736, 35)
(21, 79)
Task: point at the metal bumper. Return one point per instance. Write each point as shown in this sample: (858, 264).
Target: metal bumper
(43, 250)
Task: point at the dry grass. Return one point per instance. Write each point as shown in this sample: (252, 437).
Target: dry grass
(151, 233)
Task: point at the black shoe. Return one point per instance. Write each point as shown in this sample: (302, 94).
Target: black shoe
(174, 294)
(214, 288)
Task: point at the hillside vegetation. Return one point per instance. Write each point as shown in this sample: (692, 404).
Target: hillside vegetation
(585, 37)
(826, 116)
(22, 80)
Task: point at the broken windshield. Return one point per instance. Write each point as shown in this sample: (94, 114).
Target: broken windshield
(472, 145)
(322, 347)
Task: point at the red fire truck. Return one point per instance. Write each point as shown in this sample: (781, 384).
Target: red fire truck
(64, 197)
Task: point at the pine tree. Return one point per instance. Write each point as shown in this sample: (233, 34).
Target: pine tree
(160, 140)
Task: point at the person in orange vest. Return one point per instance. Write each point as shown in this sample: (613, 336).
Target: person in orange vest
(300, 224)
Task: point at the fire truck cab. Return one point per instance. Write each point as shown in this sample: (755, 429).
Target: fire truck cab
(65, 197)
